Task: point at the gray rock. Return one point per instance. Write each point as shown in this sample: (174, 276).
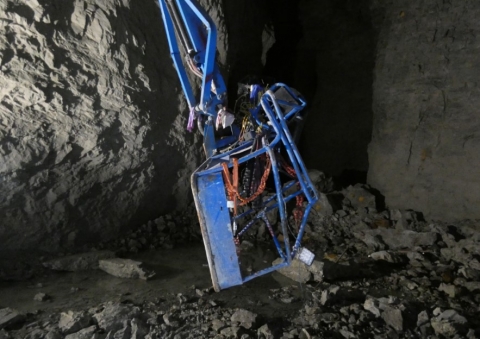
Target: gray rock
(113, 315)
(78, 262)
(71, 322)
(388, 256)
(472, 286)
(328, 295)
(320, 180)
(323, 205)
(422, 318)
(451, 290)
(245, 318)
(9, 317)
(372, 305)
(360, 197)
(139, 329)
(53, 335)
(347, 334)
(217, 324)
(41, 297)
(125, 268)
(386, 308)
(395, 239)
(296, 271)
(265, 331)
(393, 317)
(449, 323)
(86, 333)
(232, 331)
(469, 273)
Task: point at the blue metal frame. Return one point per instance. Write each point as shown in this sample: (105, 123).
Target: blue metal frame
(202, 34)
(186, 22)
(207, 203)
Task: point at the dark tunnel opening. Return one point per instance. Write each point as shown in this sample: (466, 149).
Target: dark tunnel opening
(326, 50)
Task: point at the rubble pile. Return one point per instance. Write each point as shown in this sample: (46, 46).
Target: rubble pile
(165, 232)
(377, 274)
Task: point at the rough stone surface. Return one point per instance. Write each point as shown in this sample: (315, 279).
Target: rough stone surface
(301, 272)
(393, 239)
(10, 317)
(41, 297)
(86, 333)
(125, 268)
(71, 322)
(425, 143)
(114, 314)
(90, 115)
(83, 261)
(245, 318)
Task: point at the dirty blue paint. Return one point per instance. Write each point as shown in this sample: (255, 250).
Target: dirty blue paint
(213, 204)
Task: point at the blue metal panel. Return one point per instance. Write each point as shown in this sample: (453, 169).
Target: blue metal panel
(212, 200)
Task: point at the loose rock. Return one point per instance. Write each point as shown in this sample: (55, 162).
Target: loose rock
(125, 268)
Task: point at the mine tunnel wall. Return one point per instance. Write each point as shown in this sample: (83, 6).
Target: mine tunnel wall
(92, 117)
(425, 147)
(92, 134)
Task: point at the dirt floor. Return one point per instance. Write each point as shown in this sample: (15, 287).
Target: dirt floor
(177, 271)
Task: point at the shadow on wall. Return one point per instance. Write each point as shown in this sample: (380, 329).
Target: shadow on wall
(326, 50)
(335, 71)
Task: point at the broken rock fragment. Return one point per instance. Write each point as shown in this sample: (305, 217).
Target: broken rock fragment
(71, 322)
(86, 333)
(9, 317)
(78, 262)
(113, 316)
(360, 197)
(449, 323)
(41, 297)
(125, 268)
(387, 309)
(300, 272)
(395, 239)
(390, 257)
(297, 270)
(245, 318)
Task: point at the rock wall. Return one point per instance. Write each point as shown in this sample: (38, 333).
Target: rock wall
(424, 153)
(92, 122)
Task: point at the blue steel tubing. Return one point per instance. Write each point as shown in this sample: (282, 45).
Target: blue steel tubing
(295, 157)
(269, 208)
(247, 226)
(281, 202)
(272, 233)
(302, 229)
(266, 271)
(211, 45)
(276, 175)
(242, 159)
(291, 149)
(211, 49)
(175, 54)
(261, 215)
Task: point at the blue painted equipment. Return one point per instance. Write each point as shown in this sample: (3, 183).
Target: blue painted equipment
(233, 189)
